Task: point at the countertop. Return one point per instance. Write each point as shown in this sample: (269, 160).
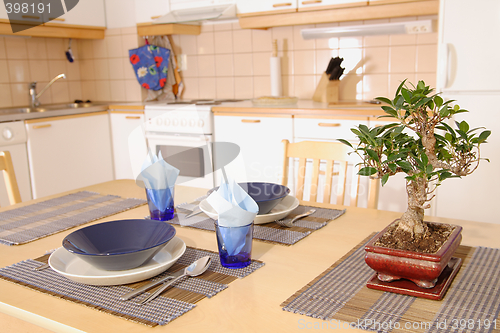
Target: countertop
(250, 304)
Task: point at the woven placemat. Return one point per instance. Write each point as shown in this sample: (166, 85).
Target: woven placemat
(173, 303)
(269, 232)
(28, 223)
(340, 297)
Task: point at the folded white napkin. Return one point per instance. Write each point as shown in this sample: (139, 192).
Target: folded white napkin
(158, 175)
(233, 205)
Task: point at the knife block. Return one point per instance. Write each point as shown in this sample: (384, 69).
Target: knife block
(327, 91)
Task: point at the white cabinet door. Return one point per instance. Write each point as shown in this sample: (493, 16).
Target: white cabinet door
(469, 53)
(123, 127)
(257, 6)
(66, 153)
(304, 5)
(86, 12)
(259, 138)
(148, 10)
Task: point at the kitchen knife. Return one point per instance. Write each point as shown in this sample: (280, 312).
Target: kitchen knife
(330, 67)
(195, 211)
(150, 285)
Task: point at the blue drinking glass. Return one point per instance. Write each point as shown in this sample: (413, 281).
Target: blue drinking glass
(235, 245)
(161, 203)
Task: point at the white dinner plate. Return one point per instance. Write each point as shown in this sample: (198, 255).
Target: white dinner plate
(281, 210)
(74, 268)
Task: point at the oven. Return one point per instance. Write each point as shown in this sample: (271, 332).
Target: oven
(183, 134)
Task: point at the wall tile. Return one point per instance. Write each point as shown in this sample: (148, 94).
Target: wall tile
(304, 86)
(5, 96)
(403, 39)
(243, 87)
(56, 48)
(224, 65)
(353, 60)
(426, 58)
(19, 93)
(103, 90)
(205, 43)
(261, 86)
(128, 70)
(4, 72)
(300, 43)
(284, 36)
(114, 46)
(191, 90)
(242, 41)
(304, 62)
(86, 49)
(117, 88)
(60, 92)
(175, 41)
(57, 67)
(73, 70)
(351, 87)
(262, 41)
(129, 30)
(224, 87)
(243, 64)
(101, 69)
(350, 42)
(288, 85)
(206, 86)
(87, 71)
(378, 40)
(222, 26)
(75, 90)
(396, 79)
(207, 27)
(37, 48)
(129, 42)
(376, 60)
(206, 65)
(16, 48)
(188, 44)
(402, 59)
(287, 62)
(375, 85)
(3, 53)
(89, 90)
(327, 43)
(261, 63)
(19, 71)
(112, 32)
(429, 38)
(115, 69)
(223, 42)
(192, 67)
(100, 48)
(323, 58)
(133, 91)
(39, 70)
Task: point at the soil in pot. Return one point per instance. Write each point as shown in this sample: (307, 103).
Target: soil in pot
(430, 242)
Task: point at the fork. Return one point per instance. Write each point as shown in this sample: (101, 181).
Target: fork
(289, 224)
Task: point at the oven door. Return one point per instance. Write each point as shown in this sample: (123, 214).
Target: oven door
(191, 154)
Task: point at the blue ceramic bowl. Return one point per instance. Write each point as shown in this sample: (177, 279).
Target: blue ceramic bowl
(266, 195)
(121, 244)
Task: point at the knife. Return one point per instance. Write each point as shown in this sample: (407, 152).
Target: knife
(150, 285)
(195, 211)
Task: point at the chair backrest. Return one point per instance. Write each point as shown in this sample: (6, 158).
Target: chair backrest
(10, 177)
(330, 153)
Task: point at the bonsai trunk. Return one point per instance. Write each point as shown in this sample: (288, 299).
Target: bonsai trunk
(412, 221)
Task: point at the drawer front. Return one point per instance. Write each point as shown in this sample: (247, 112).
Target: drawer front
(327, 129)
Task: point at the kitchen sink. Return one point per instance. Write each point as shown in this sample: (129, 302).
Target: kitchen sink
(49, 107)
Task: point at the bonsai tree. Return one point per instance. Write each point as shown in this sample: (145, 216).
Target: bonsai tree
(434, 153)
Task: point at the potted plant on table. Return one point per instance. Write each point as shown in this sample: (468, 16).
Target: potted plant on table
(411, 248)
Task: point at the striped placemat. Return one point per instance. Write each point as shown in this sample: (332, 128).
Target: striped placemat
(173, 303)
(340, 297)
(269, 232)
(25, 224)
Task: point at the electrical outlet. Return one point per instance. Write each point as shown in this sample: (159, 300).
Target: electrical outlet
(182, 62)
(419, 27)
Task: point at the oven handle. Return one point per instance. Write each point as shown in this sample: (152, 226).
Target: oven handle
(200, 138)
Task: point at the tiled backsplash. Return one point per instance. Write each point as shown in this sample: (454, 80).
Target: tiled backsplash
(224, 61)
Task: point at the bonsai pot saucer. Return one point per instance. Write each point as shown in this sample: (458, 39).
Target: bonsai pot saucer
(407, 287)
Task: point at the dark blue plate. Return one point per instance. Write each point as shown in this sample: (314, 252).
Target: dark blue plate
(266, 195)
(121, 244)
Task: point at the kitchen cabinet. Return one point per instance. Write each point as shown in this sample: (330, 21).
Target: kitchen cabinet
(386, 2)
(259, 139)
(147, 11)
(124, 124)
(305, 5)
(69, 152)
(259, 7)
(88, 13)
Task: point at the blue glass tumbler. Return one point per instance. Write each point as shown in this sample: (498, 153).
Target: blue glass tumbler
(235, 245)
(161, 203)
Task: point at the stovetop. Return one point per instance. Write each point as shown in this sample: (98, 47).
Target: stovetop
(206, 101)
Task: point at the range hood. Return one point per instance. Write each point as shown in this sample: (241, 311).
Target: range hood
(205, 10)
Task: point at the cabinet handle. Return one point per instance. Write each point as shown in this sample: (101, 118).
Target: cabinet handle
(41, 126)
(56, 19)
(130, 117)
(329, 124)
(285, 4)
(250, 120)
(155, 17)
(311, 2)
(30, 17)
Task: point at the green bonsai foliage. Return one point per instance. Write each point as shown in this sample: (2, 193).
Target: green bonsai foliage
(434, 153)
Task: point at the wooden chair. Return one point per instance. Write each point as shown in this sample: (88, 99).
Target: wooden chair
(10, 177)
(332, 153)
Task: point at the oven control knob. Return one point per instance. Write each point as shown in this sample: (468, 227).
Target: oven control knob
(184, 122)
(166, 122)
(7, 133)
(192, 122)
(175, 122)
(158, 121)
(201, 123)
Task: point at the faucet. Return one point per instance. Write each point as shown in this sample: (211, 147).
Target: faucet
(34, 96)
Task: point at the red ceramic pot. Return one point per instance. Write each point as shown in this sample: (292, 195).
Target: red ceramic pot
(421, 268)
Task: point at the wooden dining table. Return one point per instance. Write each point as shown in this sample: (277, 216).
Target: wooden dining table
(250, 304)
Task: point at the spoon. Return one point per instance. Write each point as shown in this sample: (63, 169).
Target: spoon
(289, 224)
(196, 268)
